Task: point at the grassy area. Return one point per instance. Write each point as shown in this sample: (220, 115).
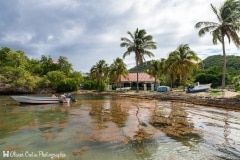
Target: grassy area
(215, 93)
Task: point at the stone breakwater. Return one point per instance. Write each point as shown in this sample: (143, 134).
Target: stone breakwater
(227, 103)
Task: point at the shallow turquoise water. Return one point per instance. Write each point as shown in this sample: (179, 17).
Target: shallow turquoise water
(107, 128)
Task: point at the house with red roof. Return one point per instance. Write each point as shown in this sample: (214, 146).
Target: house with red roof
(145, 81)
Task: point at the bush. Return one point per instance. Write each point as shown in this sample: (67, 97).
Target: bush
(68, 85)
(205, 78)
(55, 78)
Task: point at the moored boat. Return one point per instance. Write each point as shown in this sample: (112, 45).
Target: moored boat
(64, 98)
(36, 99)
(198, 88)
(163, 89)
(123, 89)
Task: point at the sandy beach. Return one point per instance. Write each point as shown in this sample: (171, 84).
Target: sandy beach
(225, 94)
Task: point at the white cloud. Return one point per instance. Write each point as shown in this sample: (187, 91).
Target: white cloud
(87, 31)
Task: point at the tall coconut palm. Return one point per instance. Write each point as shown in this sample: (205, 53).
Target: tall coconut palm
(99, 72)
(228, 25)
(181, 62)
(139, 43)
(118, 69)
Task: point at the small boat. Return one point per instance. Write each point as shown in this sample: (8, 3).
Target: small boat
(163, 89)
(198, 88)
(36, 99)
(123, 89)
(44, 99)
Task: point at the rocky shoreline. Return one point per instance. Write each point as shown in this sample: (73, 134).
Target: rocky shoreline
(228, 102)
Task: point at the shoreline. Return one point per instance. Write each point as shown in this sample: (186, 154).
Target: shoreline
(229, 100)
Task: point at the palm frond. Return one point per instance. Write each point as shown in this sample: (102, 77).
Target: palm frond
(214, 9)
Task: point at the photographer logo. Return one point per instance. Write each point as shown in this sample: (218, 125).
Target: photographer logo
(5, 154)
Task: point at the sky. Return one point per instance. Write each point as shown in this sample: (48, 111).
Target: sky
(86, 31)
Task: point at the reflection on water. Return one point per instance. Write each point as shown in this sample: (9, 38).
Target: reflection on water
(105, 127)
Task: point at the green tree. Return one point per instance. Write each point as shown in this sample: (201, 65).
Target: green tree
(77, 76)
(227, 26)
(18, 71)
(139, 43)
(47, 65)
(34, 66)
(55, 78)
(182, 62)
(99, 72)
(3, 55)
(15, 59)
(164, 77)
(64, 65)
(117, 69)
(236, 82)
(18, 78)
(68, 85)
(210, 75)
(154, 70)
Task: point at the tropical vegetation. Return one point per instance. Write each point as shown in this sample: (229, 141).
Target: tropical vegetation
(20, 73)
(181, 63)
(227, 26)
(117, 69)
(99, 74)
(139, 43)
(180, 68)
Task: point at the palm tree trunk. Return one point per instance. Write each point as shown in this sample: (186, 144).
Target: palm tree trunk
(137, 76)
(155, 83)
(120, 82)
(224, 63)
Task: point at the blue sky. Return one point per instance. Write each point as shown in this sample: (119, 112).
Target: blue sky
(86, 31)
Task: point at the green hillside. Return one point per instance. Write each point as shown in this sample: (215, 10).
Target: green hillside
(142, 68)
(233, 62)
(217, 60)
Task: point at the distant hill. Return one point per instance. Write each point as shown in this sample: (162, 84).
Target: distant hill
(142, 68)
(216, 60)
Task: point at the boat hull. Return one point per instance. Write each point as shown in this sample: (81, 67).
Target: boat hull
(163, 89)
(198, 88)
(36, 100)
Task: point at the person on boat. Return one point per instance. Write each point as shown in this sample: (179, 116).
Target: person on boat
(189, 88)
(62, 98)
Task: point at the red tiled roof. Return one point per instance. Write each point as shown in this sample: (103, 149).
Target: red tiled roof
(55, 62)
(142, 77)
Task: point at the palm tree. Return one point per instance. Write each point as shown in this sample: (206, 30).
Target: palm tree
(118, 69)
(139, 43)
(181, 63)
(170, 71)
(99, 72)
(154, 70)
(228, 25)
(163, 70)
